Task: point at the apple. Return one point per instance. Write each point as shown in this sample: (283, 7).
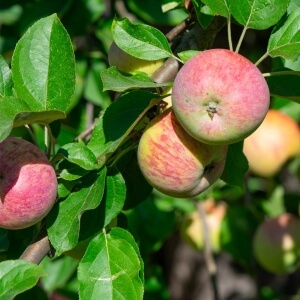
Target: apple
(129, 64)
(276, 244)
(192, 230)
(220, 97)
(275, 141)
(175, 163)
(28, 184)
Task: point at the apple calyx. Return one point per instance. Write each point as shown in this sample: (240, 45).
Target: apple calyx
(212, 109)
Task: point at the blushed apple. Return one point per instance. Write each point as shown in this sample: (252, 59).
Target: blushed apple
(175, 163)
(275, 141)
(192, 229)
(276, 244)
(28, 184)
(129, 64)
(220, 97)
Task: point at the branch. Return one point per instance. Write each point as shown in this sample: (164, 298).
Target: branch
(39, 248)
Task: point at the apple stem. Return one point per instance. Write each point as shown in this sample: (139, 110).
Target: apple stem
(208, 255)
(34, 140)
(229, 33)
(262, 58)
(280, 73)
(241, 39)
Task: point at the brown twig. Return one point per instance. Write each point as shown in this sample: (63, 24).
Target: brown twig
(208, 253)
(39, 248)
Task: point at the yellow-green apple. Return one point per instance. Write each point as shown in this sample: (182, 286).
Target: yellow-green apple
(276, 244)
(275, 141)
(220, 97)
(192, 229)
(175, 163)
(129, 64)
(28, 184)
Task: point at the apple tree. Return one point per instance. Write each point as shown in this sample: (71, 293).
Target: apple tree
(142, 110)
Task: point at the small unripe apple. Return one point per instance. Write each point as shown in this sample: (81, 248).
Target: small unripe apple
(220, 97)
(28, 184)
(175, 163)
(275, 141)
(192, 229)
(129, 64)
(277, 244)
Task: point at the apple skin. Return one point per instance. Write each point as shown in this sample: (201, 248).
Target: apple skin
(220, 97)
(129, 64)
(28, 184)
(276, 244)
(173, 162)
(275, 141)
(191, 229)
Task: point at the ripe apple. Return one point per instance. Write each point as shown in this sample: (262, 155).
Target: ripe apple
(129, 64)
(175, 163)
(220, 97)
(28, 184)
(191, 229)
(275, 141)
(276, 244)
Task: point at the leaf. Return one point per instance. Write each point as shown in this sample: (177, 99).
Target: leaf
(258, 14)
(43, 66)
(115, 80)
(205, 14)
(17, 276)
(59, 271)
(186, 55)
(285, 38)
(236, 165)
(110, 268)
(118, 120)
(140, 40)
(63, 222)
(6, 82)
(219, 6)
(285, 86)
(115, 195)
(80, 155)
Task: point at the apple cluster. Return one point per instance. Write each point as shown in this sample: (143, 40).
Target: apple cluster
(218, 98)
(28, 184)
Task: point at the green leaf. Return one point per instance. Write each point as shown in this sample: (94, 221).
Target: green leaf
(236, 165)
(110, 268)
(205, 14)
(17, 276)
(6, 82)
(43, 66)
(63, 222)
(258, 14)
(115, 195)
(285, 38)
(186, 55)
(80, 155)
(115, 80)
(140, 40)
(118, 120)
(221, 7)
(59, 271)
(285, 86)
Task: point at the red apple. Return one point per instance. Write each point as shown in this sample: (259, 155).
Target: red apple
(220, 97)
(275, 141)
(277, 244)
(129, 64)
(28, 184)
(175, 163)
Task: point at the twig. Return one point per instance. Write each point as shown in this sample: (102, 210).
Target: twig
(208, 254)
(39, 248)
